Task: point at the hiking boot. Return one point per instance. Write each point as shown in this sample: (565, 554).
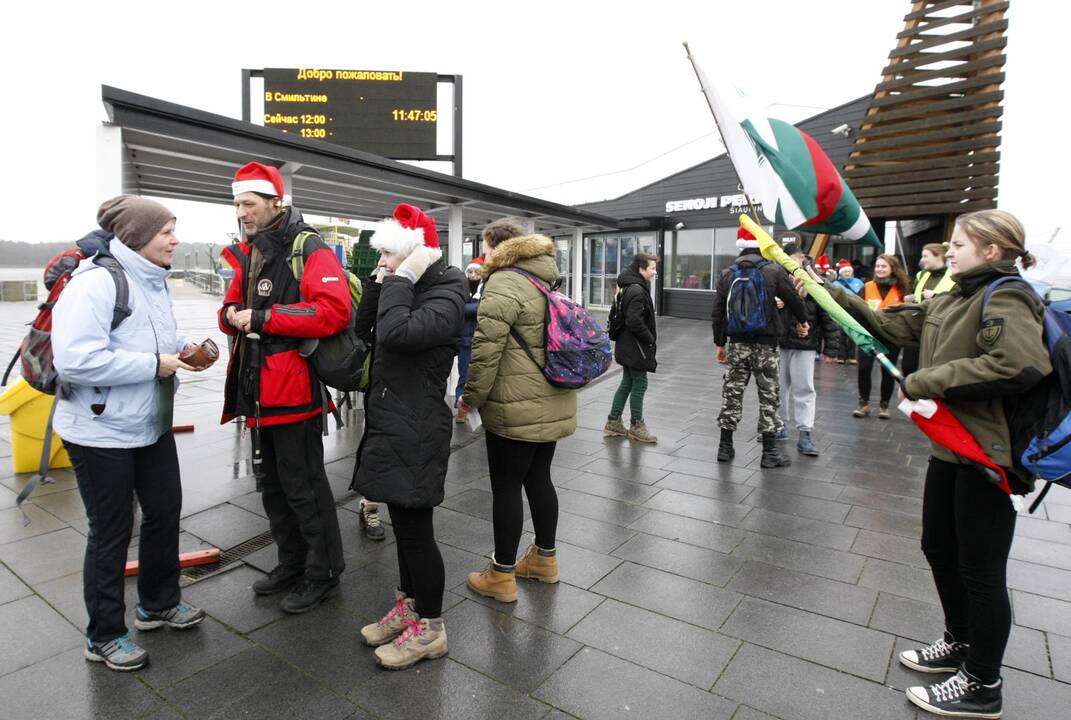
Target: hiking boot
(638, 431)
(279, 579)
(614, 427)
(462, 413)
(180, 617)
(369, 516)
(725, 446)
(536, 566)
(806, 445)
(390, 625)
(961, 695)
(121, 654)
(782, 434)
(307, 594)
(853, 361)
(883, 411)
(422, 639)
(771, 456)
(494, 583)
(862, 410)
(942, 656)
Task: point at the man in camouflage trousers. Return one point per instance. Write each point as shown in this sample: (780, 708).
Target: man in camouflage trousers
(753, 353)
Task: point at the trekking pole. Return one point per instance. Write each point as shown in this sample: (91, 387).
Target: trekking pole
(253, 340)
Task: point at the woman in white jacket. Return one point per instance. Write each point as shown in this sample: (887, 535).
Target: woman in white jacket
(114, 415)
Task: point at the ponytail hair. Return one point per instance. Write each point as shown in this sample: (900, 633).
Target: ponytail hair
(1000, 228)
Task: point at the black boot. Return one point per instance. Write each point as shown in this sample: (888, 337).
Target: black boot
(725, 446)
(307, 594)
(771, 456)
(280, 579)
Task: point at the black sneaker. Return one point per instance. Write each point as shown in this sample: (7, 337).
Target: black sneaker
(121, 654)
(961, 695)
(942, 656)
(369, 516)
(180, 617)
(307, 594)
(279, 579)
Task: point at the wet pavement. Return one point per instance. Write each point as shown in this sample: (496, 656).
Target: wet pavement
(690, 589)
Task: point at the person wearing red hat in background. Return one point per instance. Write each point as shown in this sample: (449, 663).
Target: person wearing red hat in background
(272, 385)
(846, 278)
(472, 307)
(419, 304)
(887, 289)
(823, 268)
(753, 352)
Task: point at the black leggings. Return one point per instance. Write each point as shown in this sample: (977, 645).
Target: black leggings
(515, 464)
(420, 566)
(866, 366)
(108, 481)
(967, 528)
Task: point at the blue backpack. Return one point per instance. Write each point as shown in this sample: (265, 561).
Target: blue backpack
(1040, 422)
(745, 303)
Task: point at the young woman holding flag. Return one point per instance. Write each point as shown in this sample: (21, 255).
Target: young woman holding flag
(976, 363)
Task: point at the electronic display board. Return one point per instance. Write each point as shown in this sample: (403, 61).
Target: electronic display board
(386, 112)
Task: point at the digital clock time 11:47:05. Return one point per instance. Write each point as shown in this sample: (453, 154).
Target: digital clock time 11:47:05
(415, 115)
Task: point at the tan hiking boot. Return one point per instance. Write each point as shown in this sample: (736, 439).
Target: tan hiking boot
(614, 426)
(638, 431)
(883, 411)
(501, 586)
(390, 625)
(538, 567)
(419, 641)
(863, 410)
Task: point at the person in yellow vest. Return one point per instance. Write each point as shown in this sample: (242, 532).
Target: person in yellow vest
(933, 278)
(888, 289)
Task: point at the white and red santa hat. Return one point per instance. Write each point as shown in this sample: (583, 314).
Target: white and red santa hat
(476, 264)
(407, 230)
(745, 240)
(259, 178)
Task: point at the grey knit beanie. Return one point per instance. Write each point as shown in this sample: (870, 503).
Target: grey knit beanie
(134, 220)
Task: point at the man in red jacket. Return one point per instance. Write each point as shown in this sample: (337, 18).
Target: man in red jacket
(269, 383)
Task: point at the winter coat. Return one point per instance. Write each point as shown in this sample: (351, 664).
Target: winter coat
(974, 363)
(403, 455)
(636, 345)
(852, 284)
(824, 334)
(513, 397)
(113, 397)
(777, 284)
(285, 313)
(472, 306)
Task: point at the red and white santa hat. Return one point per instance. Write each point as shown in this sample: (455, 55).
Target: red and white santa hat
(844, 263)
(745, 240)
(259, 178)
(405, 232)
(822, 263)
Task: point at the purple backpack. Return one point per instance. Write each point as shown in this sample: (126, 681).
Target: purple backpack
(577, 347)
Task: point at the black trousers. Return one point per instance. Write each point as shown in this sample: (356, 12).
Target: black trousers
(108, 481)
(514, 464)
(298, 499)
(967, 529)
(420, 565)
(866, 367)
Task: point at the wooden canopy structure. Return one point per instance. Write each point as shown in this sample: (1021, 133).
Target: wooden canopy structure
(929, 144)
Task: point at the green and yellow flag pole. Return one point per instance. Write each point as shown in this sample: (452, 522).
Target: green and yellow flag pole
(858, 334)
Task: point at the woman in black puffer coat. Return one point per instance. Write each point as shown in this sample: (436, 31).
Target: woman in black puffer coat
(635, 347)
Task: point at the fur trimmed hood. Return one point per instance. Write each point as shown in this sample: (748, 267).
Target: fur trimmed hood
(515, 250)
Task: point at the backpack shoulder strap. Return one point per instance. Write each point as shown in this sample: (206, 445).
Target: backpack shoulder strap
(122, 287)
(298, 253)
(993, 286)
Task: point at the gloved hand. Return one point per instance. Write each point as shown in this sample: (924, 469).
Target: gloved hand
(414, 266)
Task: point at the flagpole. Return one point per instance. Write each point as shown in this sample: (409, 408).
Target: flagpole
(739, 180)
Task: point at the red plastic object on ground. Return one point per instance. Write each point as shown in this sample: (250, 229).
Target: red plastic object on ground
(186, 559)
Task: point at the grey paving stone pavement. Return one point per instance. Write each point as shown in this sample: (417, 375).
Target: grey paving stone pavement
(690, 589)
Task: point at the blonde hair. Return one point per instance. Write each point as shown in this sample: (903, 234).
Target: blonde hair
(1000, 228)
(935, 249)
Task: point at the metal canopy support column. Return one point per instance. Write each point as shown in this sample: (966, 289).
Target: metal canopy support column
(578, 265)
(110, 161)
(456, 236)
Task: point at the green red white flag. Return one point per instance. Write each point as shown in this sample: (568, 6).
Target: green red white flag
(784, 168)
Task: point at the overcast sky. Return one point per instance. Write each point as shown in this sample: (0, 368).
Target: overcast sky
(553, 92)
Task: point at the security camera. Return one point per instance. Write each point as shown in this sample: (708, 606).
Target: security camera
(679, 225)
(843, 130)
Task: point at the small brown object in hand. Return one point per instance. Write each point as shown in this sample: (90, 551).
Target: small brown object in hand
(201, 356)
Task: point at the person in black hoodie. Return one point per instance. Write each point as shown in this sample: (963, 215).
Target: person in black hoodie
(635, 347)
(797, 364)
(754, 351)
(405, 449)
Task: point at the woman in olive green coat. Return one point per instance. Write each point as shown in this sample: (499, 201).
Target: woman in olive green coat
(523, 415)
